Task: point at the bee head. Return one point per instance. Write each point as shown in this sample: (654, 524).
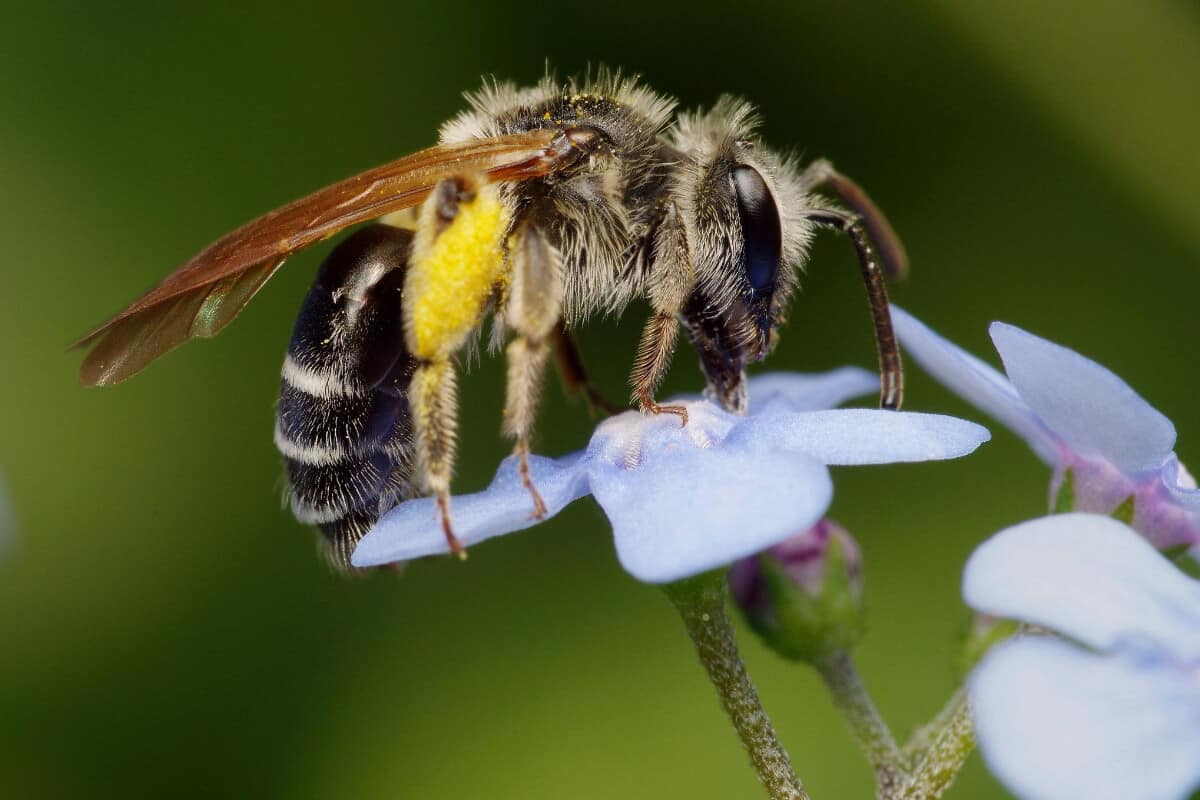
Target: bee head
(740, 204)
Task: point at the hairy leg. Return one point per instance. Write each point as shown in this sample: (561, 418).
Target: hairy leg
(456, 264)
(653, 359)
(532, 312)
(670, 285)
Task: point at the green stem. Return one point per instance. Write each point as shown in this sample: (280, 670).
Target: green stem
(921, 739)
(928, 763)
(940, 750)
(865, 722)
(701, 603)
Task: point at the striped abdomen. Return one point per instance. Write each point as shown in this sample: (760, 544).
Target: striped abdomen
(343, 424)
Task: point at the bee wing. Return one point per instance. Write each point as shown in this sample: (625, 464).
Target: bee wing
(205, 294)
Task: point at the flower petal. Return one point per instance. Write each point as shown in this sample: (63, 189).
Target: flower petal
(413, 528)
(776, 392)
(1089, 577)
(1055, 722)
(624, 438)
(1180, 484)
(682, 509)
(974, 381)
(1086, 405)
(866, 436)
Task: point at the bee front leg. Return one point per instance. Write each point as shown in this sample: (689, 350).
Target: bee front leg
(532, 311)
(653, 360)
(668, 286)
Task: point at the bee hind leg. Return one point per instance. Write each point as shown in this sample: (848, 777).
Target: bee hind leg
(455, 266)
(433, 398)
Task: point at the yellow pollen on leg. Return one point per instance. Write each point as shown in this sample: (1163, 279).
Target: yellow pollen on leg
(449, 284)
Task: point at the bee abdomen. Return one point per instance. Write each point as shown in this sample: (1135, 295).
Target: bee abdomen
(343, 424)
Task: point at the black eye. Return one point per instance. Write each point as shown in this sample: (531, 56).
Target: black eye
(763, 239)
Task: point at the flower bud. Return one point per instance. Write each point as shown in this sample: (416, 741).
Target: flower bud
(804, 595)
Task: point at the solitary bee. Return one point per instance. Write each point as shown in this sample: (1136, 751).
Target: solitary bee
(540, 207)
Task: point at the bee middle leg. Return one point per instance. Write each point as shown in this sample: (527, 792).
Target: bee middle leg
(532, 312)
(574, 374)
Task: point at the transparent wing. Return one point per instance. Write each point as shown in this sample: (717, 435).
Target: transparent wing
(205, 294)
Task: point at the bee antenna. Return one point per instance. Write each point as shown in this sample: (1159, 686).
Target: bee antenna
(894, 260)
(891, 369)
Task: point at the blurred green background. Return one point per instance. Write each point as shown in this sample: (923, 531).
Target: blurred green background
(165, 629)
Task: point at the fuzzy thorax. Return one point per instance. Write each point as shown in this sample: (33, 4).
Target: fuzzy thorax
(455, 269)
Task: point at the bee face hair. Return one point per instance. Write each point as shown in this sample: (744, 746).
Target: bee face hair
(742, 207)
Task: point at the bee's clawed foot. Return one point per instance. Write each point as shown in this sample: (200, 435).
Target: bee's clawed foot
(656, 409)
(539, 505)
(457, 548)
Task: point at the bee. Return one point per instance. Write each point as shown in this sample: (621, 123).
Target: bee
(539, 208)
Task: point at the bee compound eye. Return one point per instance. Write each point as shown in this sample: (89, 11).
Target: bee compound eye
(762, 235)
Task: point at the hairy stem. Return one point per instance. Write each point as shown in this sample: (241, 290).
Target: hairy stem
(944, 747)
(928, 763)
(868, 727)
(701, 603)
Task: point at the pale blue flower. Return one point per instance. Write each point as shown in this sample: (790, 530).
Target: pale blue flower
(1079, 418)
(1114, 711)
(684, 500)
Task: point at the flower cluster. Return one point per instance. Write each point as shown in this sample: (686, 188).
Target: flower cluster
(1098, 695)
(1111, 451)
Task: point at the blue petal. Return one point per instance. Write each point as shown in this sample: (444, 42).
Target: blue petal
(1089, 577)
(777, 392)
(1055, 722)
(1181, 485)
(678, 509)
(866, 436)
(413, 528)
(1087, 406)
(974, 381)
